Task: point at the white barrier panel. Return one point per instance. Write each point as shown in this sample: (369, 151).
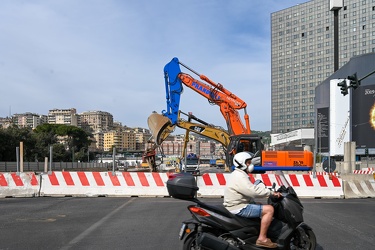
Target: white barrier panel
(359, 188)
(18, 185)
(304, 184)
(104, 184)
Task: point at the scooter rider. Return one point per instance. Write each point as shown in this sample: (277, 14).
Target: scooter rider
(239, 197)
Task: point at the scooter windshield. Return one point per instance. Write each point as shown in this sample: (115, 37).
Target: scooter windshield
(282, 181)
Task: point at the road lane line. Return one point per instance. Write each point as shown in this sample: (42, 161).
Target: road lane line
(89, 230)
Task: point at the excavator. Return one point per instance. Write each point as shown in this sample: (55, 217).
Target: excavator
(199, 126)
(240, 139)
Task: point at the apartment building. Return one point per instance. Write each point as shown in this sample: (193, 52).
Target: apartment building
(302, 54)
(28, 119)
(63, 116)
(122, 140)
(5, 122)
(93, 121)
(142, 136)
(98, 143)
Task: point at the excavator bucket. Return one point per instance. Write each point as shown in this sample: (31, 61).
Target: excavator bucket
(160, 127)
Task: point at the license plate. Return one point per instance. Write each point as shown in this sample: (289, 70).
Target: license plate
(182, 231)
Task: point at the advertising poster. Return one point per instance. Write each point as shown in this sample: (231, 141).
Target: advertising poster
(363, 116)
(339, 119)
(323, 130)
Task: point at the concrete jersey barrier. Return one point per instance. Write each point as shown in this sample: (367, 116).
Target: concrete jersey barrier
(18, 185)
(304, 184)
(359, 185)
(104, 184)
(89, 184)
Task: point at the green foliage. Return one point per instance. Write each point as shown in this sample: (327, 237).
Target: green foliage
(10, 139)
(37, 142)
(266, 135)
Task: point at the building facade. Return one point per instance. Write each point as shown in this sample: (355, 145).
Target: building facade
(28, 119)
(347, 118)
(302, 54)
(93, 121)
(63, 116)
(122, 140)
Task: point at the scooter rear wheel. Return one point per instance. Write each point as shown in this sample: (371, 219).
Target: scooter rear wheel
(190, 243)
(307, 241)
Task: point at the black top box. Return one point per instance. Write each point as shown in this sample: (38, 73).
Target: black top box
(182, 186)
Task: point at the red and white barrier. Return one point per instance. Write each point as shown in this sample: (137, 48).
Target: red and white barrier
(364, 171)
(324, 173)
(104, 184)
(304, 184)
(149, 184)
(18, 185)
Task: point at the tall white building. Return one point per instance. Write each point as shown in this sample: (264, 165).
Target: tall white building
(63, 116)
(303, 54)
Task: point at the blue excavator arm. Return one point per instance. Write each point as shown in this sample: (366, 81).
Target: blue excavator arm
(173, 89)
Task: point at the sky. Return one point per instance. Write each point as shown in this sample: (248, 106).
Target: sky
(109, 55)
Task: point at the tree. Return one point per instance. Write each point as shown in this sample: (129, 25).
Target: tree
(64, 138)
(10, 139)
(75, 138)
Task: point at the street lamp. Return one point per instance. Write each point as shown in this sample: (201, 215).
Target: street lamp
(335, 6)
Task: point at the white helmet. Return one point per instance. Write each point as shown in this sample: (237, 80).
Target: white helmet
(239, 160)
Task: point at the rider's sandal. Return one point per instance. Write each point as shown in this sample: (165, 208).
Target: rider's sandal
(268, 243)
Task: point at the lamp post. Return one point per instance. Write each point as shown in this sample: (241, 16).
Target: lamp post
(335, 6)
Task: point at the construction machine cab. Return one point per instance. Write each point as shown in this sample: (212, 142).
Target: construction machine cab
(240, 143)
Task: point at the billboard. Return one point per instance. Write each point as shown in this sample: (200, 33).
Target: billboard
(339, 118)
(323, 130)
(363, 116)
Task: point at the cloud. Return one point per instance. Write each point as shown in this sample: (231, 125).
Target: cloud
(110, 55)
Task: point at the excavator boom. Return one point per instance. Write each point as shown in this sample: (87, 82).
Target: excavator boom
(215, 93)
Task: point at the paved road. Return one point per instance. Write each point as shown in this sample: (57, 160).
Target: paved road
(153, 223)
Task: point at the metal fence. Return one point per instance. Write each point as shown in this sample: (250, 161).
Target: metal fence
(55, 166)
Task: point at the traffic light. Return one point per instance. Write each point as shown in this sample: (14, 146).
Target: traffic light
(354, 83)
(343, 87)
(366, 151)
